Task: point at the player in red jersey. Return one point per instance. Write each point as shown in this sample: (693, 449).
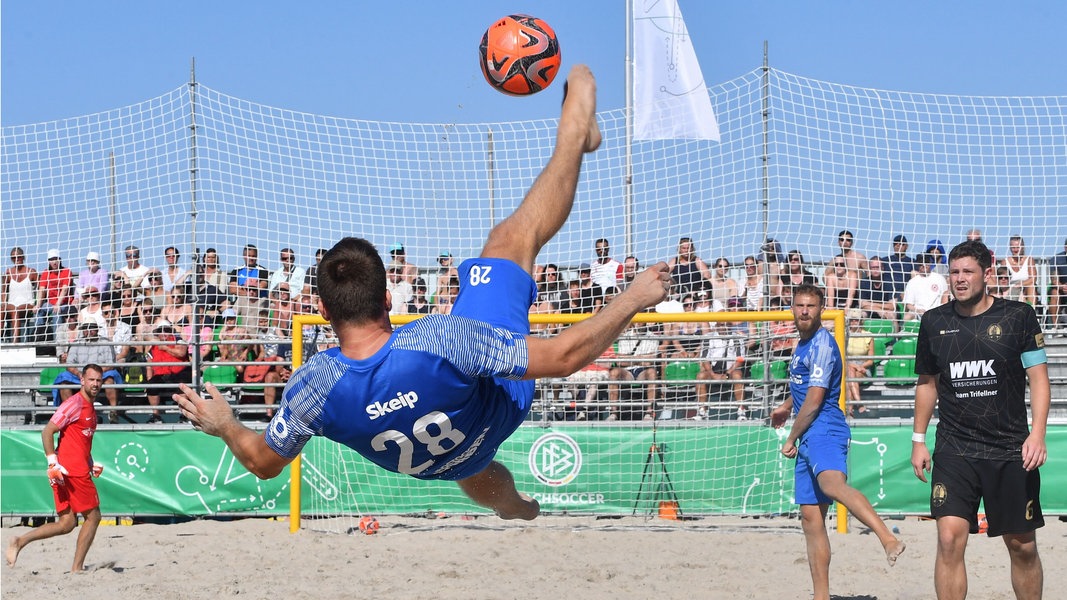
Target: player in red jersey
(71, 471)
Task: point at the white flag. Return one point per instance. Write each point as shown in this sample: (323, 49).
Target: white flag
(670, 97)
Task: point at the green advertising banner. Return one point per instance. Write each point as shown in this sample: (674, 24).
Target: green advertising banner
(730, 469)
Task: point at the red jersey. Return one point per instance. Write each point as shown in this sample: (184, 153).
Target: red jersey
(159, 355)
(52, 282)
(76, 419)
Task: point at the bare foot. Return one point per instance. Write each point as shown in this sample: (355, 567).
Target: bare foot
(893, 551)
(13, 549)
(579, 107)
(527, 509)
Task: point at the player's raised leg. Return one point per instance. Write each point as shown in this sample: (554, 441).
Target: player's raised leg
(494, 488)
(545, 208)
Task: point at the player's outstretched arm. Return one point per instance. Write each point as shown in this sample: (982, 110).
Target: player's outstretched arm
(214, 416)
(581, 343)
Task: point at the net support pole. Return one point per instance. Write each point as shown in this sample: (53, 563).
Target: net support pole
(294, 467)
(838, 317)
(193, 175)
(628, 175)
(112, 200)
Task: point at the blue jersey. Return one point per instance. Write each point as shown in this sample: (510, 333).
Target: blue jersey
(817, 362)
(434, 400)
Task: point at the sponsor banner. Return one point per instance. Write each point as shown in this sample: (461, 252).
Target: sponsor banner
(609, 470)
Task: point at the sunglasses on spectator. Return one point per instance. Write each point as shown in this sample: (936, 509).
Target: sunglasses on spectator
(845, 239)
(17, 257)
(722, 266)
(750, 265)
(837, 264)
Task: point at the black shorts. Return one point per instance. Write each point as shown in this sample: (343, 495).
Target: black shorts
(1011, 493)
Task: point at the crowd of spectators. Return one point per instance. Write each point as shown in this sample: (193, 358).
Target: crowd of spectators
(242, 317)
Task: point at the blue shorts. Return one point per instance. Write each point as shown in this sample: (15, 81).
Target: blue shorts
(816, 454)
(497, 291)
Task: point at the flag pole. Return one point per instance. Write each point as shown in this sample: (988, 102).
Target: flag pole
(628, 184)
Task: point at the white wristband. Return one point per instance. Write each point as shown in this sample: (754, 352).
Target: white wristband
(919, 438)
(51, 458)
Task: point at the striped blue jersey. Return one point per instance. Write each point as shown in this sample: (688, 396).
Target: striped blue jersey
(817, 362)
(435, 402)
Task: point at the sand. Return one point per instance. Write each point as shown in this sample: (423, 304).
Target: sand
(484, 558)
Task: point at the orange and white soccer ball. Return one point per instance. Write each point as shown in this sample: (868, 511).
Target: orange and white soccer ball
(369, 525)
(519, 55)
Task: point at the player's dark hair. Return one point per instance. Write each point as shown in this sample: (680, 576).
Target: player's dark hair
(973, 249)
(810, 290)
(94, 367)
(351, 282)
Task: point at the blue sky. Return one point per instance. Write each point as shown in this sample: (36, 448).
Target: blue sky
(416, 61)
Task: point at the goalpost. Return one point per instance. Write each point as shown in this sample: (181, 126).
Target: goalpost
(692, 468)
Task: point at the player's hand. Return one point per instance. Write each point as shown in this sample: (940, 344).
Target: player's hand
(1034, 452)
(652, 285)
(779, 416)
(920, 460)
(95, 468)
(211, 415)
(56, 472)
(789, 449)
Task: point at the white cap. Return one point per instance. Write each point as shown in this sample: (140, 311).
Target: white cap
(229, 313)
(53, 253)
(92, 256)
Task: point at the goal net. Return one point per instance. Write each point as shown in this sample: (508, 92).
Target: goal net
(675, 434)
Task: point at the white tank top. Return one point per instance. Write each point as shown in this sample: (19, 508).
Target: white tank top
(20, 293)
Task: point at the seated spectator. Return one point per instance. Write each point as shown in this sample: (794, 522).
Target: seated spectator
(842, 284)
(147, 315)
(311, 276)
(898, 265)
(794, 274)
(250, 270)
(1022, 273)
(926, 290)
(783, 334)
(859, 352)
(549, 287)
(172, 274)
(233, 341)
(281, 305)
(1057, 295)
(399, 288)
(723, 287)
(688, 271)
(92, 310)
(443, 300)
(573, 303)
(152, 288)
(249, 302)
(855, 261)
(289, 273)
(398, 259)
(587, 383)
(771, 263)
(636, 356)
(685, 338)
(752, 287)
(122, 335)
(55, 289)
(940, 258)
(605, 271)
(723, 360)
(591, 292)
(1001, 283)
(134, 272)
(19, 298)
(877, 294)
(419, 305)
(170, 348)
(630, 268)
(68, 332)
(93, 275)
(176, 310)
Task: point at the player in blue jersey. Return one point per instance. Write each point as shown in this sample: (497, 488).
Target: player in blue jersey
(974, 359)
(819, 439)
(435, 399)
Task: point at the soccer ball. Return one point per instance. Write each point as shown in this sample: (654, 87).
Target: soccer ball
(369, 525)
(520, 55)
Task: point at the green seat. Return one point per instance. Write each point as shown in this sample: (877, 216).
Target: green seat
(878, 326)
(220, 375)
(47, 379)
(881, 347)
(681, 371)
(910, 327)
(905, 346)
(899, 368)
(779, 370)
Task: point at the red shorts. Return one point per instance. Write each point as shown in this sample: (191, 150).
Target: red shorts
(78, 495)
